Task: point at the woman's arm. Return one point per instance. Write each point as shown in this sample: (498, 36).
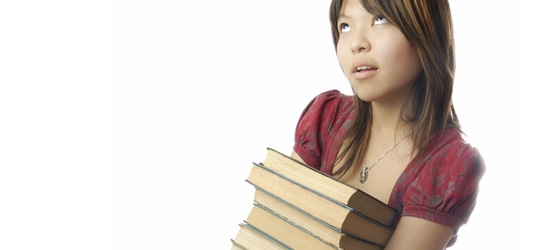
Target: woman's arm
(414, 233)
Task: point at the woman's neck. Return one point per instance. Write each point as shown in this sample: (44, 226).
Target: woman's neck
(386, 121)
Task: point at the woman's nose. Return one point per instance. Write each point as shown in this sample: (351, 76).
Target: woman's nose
(360, 42)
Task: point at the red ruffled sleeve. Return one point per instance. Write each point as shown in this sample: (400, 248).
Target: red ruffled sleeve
(320, 127)
(443, 185)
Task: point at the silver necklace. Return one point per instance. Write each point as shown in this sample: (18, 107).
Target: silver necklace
(364, 174)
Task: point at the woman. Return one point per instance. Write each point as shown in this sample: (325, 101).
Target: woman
(398, 137)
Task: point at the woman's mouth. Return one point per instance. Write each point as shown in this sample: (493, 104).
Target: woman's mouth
(361, 68)
(364, 72)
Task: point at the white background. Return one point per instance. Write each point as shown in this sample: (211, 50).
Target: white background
(133, 124)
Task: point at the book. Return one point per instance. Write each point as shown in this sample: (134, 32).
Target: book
(284, 230)
(296, 216)
(321, 207)
(250, 237)
(318, 209)
(326, 185)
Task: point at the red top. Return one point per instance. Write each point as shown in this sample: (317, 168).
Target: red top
(439, 185)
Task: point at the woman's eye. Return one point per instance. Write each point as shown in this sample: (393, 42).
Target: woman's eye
(344, 27)
(380, 20)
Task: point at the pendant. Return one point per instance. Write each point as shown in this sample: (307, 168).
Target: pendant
(363, 175)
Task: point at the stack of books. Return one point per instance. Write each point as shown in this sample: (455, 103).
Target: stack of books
(299, 207)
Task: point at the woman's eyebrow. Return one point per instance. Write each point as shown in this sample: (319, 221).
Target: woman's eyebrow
(342, 15)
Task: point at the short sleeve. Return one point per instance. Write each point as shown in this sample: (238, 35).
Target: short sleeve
(445, 189)
(321, 124)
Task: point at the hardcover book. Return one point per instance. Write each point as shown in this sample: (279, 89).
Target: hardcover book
(298, 206)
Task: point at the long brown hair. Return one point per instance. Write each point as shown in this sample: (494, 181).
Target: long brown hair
(428, 107)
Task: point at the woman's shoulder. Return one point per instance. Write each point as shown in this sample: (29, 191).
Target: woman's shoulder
(331, 97)
(323, 121)
(328, 104)
(442, 184)
(327, 107)
(449, 153)
(451, 144)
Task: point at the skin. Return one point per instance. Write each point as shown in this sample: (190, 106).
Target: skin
(367, 40)
(393, 64)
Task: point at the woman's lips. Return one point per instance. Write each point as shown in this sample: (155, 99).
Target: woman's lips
(364, 72)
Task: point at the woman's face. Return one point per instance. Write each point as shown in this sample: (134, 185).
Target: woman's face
(375, 56)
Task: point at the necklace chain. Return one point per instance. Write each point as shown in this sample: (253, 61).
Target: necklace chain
(363, 175)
